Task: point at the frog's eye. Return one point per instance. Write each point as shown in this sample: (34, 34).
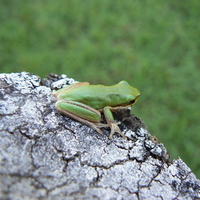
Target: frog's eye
(132, 101)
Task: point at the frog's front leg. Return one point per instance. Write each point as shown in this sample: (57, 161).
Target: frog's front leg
(111, 123)
(82, 113)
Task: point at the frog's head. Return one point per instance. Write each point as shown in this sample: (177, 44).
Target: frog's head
(130, 94)
(133, 101)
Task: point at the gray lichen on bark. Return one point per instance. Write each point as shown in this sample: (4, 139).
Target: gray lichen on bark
(45, 155)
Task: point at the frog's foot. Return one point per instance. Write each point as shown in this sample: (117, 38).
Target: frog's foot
(115, 129)
(101, 125)
(113, 126)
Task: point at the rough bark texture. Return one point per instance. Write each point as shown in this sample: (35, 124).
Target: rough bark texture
(45, 155)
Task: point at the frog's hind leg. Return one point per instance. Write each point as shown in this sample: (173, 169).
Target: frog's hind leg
(94, 126)
(81, 113)
(87, 123)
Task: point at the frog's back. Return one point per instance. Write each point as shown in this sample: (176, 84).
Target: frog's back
(99, 96)
(96, 96)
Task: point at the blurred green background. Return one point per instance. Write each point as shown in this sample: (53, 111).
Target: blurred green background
(154, 45)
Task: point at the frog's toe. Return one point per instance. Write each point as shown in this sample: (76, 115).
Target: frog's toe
(115, 129)
(101, 125)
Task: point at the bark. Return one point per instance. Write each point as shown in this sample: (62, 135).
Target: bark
(45, 155)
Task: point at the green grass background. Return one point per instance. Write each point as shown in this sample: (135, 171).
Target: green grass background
(154, 45)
